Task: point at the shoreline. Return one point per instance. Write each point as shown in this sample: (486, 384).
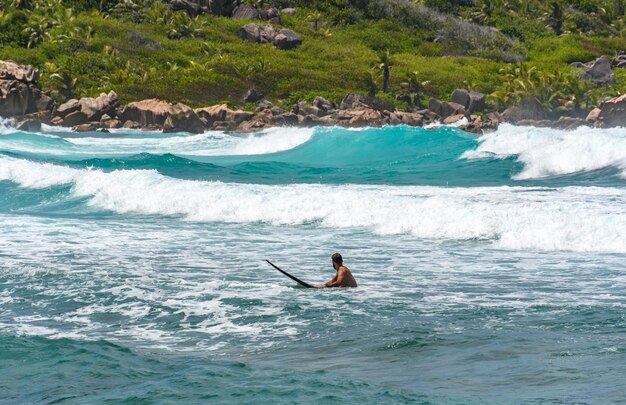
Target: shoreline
(24, 102)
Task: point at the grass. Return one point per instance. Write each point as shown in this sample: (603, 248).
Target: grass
(97, 53)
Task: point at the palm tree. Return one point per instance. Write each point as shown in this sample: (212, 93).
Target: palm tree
(556, 18)
(384, 64)
(315, 17)
(371, 81)
(415, 87)
(65, 83)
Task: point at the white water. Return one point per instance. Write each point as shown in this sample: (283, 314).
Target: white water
(572, 218)
(135, 142)
(548, 152)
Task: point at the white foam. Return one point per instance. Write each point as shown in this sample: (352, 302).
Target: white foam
(572, 218)
(130, 143)
(271, 141)
(548, 152)
(437, 124)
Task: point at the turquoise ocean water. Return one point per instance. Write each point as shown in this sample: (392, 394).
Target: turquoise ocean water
(491, 269)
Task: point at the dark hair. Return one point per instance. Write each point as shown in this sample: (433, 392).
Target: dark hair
(337, 258)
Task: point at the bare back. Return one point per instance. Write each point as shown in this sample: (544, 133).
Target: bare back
(348, 279)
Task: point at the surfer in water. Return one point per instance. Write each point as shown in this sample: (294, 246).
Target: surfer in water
(343, 277)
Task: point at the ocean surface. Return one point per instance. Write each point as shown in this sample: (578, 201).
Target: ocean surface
(491, 269)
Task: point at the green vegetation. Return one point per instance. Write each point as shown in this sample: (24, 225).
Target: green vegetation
(401, 50)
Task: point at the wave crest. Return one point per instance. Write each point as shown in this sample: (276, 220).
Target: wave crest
(549, 152)
(571, 218)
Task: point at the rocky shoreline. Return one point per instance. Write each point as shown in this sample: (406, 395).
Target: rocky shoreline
(23, 101)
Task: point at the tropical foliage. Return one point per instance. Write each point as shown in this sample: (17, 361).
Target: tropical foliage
(400, 50)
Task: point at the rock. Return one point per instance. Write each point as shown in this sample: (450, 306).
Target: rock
(252, 96)
(285, 119)
(365, 118)
(10, 70)
(492, 121)
(323, 105)
(461, 96)
(264, 105)
(267, 34)
(222, 126)
(477, 102)
(95, 108)
(413, 119)
(259, 121)
(515, 114)
(19, 92)
(303, 109)
(88, 127)
(181, 118)
(619, 62)
(277, 111)
(220, 117)
(132, 125)
(270, 14)
(112, 123)
(453, 119)
(251, 32)
(254, 32)
(213, 113)
(613, 111)
(594, 115)
(535, 123)
(287, 39)
(43, 116)
(154, 114)
(472, 101)
(562, 123)
(239, 116)
(88, 109)
(190, 7)
(68, 107)
(599, 71)
(224, 8)
(356, 100)
(570, 122)
(15, 98)
(356, 117)
(252, 125)
(308, 120)
(74, 119)
(289, 11)
(44, 102)
(245, 11)
(284, 39)
(29, 125)
(58, 121)
(151, 112)
(444, 109)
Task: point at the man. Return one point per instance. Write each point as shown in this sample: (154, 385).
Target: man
(343, 277)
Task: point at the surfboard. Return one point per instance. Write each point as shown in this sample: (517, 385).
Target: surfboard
(296, 279)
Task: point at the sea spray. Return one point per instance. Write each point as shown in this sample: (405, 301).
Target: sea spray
(551, 152)
(571, 218)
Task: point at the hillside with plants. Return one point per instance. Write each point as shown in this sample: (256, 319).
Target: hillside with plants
(518, 52)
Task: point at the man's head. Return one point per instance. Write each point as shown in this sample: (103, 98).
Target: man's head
(337, 260)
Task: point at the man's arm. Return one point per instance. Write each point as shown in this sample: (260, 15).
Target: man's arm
(330, 282)
(337, 281)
